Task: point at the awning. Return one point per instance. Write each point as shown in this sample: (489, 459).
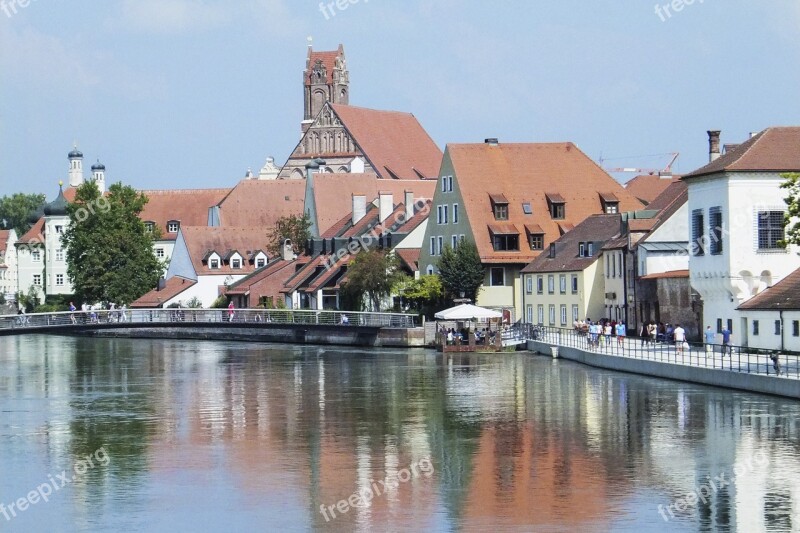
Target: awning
(467, 312)
(503, 229)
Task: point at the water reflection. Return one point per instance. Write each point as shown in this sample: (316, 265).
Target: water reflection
(233, 436)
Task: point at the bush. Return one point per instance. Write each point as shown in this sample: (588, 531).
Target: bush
(50, 308)
(220, 303)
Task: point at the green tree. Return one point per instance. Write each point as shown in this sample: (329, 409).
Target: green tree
(292, 227)
(461, 270)
(16, 209)
(424, 295)
(109, 251)
(371, 276)
(792, 220)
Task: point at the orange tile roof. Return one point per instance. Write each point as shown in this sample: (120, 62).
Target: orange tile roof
(35, 234)
(4, 236)
(529, 173)
(262, 202)
(668, 275)
(647, 187)
(783, 295)
(244, 285)
(201, 240)
(597, 229)
(392, 141)
(187, 206)
(333, 194)
(328, 59)
(155, 298)
(773, 150)
(409, 257)
(642, 224)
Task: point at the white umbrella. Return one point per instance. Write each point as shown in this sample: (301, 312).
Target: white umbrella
(467, 312)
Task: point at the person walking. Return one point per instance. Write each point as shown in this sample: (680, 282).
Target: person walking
(72, 310)
(726, 342)
(680, 337)
(231, 312)
(653, 330)
(776, 363)
(621, 333)
(710, 338)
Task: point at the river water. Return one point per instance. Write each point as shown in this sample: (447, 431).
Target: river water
(155, 435)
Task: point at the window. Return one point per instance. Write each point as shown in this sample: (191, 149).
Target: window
(59, 280)
(529, 314)
(497, 276)
(149, 226)
(160, 253)
(589, 247)
(447, 183)
(214, 264)
(796, 328)
(59, 255)
(527, 209)
(454, 241)
(574, 313)
(501, 211)
(36, 255)
(37, 280)
(770, 230)
(574, 284)
(539, 284)
(505, 242)
(172, 226)
(563, 315)
(581, 249)
(430, 270)
(529, 284)
(540, 314)
(715, 221)
(445, 209)
(719, 325)
(755, 327)
(439, 245)
(585, 249)
(608, 268)
(698, 233)
(551, 284)
(439, 215)
(619, 268)
(730, 325)
(236, 263)
(462, 238)
(433, 246)
(455, 213)
(614, 266)
(537, 241)
(552, 315)
(59, 229)
(562, 283)
(612, 207)
(261, 262)
(777, 327)
(558, 211)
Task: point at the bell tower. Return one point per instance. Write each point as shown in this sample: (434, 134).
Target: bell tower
(325, 79)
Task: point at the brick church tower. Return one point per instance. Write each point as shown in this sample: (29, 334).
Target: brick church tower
(325, 79)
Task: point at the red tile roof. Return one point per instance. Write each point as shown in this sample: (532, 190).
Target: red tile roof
(392, 142)
(783, 295)
(409, 257)
(668, 275)
(200, 240)
(530, 173)
(35, 234)
(4, 236)
(187, 206)
(156, 298)
(261, 202)
(772, 150)
(648, 186)
(328, 59)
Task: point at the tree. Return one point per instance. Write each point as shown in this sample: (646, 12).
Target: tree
(461, 270)
(371, 276)
(292, 227)
(16, 209)
(792, 220)
(109, 250)
(424, 294)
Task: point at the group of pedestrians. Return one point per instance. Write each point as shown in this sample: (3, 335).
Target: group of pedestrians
(601, 331)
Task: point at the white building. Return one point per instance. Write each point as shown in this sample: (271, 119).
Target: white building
(736, 209)
(771, 320)
(8, 264)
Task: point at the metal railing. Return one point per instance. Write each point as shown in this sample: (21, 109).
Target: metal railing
(120, 318)
(718, 356)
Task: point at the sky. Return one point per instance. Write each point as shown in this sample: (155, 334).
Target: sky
(192, 93)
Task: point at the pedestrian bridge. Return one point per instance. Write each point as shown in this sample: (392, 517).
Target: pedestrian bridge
(263, 325)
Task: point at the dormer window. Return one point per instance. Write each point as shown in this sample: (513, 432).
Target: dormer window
(213, 264)
(557, 206)
(149, 226)
(213, 260)
(610, 203)
(236, 263)
(505, 237)
(173, 226)
(499, 206)
(261, 262)
(585, 249)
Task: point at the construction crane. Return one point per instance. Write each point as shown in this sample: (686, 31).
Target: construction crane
(666, 170)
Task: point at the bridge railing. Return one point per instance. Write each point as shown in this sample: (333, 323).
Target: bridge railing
(207, 316)
(716, 356)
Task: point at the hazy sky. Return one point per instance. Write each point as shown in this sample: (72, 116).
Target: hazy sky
(190, 93)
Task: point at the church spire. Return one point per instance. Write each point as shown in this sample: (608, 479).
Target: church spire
(325, 79)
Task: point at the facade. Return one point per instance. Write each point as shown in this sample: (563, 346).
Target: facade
(512, 201)
(736, 209)
(568, 281)
(8, 264)
(325, 79)
(771, 320)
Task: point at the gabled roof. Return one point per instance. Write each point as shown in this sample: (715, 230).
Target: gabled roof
(201, 240)
(35, 235)
(772, 150)
(530, 173)
(243, 286)
(667, 204)
(261, 203)
(597, 229)
(187, 206)
(155, 298)
(333, 194)
(409, 257)
(783, 295)
(392, 141)
(647, 187)
(5, 235)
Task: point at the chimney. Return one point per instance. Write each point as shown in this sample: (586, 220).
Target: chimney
(359, 207)
(713, 145)
(385, 205)
(409, 201)
(162, 284)
(287, 252)
(491, 141)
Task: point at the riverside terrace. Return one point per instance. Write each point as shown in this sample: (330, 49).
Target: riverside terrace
(270, 325)
(735, 367)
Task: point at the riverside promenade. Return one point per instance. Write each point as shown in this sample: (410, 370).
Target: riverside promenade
(732, 367)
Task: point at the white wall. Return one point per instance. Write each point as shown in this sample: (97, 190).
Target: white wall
(766, 338)
(56, 266)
